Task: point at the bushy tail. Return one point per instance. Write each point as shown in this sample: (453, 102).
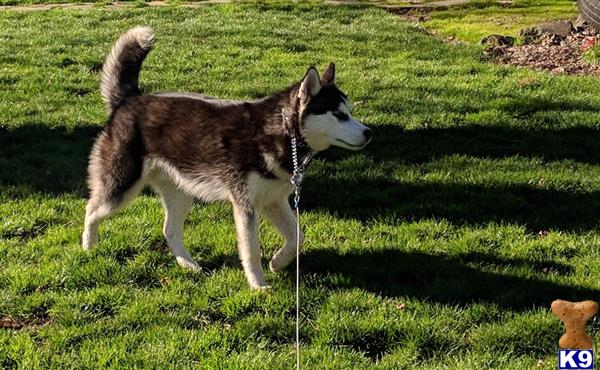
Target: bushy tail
(122, 66)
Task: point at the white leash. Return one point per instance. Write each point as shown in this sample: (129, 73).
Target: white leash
(295, 180)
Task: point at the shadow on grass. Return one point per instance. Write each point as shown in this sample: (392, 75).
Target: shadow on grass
(393, 143)
(361, 197)
(36, 158)
(459, 100)
(41, 159)
(454, 280)
(537, 209)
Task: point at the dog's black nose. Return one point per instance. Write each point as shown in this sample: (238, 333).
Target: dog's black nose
(368, 133)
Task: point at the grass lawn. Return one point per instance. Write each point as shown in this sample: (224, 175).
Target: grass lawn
(482, 18)
(440, 245)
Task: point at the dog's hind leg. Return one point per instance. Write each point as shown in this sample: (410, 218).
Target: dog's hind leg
(115, 175)
(96, 210)
(281, 216)
(177, 205)
(100, 206)
(246, 225)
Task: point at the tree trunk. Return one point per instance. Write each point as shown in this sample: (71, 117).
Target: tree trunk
(590, 11)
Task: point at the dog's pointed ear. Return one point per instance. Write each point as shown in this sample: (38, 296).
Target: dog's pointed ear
(311, 85)
(329, 75)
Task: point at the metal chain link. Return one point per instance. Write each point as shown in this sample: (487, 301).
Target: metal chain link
(296, 178)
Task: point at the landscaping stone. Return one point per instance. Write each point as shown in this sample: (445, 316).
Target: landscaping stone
(532, 35)
(498, 40)
(558, 28)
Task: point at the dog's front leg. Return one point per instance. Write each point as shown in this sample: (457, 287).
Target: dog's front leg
(246, 225)
(282, 217)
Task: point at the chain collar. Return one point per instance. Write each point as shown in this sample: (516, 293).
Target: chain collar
(299, 167)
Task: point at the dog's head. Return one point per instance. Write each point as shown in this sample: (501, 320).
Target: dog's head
(326, 114)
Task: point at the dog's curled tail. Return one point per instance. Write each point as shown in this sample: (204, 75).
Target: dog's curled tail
(121, 69)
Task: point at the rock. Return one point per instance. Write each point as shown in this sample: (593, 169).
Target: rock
(560, 29)
(498, 40)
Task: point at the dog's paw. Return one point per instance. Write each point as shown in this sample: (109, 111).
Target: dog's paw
(262, 288)
(88, 240)
(282, 259)
(279, 264)
(274, 267)
(258, 283)
(188, 264)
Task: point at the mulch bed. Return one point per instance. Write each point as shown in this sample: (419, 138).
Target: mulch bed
(551, 53)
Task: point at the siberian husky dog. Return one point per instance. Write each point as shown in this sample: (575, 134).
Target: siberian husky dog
(187, 146)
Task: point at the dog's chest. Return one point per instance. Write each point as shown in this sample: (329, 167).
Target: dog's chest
(264, 191)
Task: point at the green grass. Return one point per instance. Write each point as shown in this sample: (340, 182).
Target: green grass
(440, 245)
(479, 19)
(592, 55)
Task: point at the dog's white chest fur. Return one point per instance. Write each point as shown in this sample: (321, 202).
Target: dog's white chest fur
(264, 192)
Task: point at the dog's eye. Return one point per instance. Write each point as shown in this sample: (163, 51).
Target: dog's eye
(341, 116)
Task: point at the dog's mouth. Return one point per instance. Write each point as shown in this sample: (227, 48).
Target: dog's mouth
(353, 146)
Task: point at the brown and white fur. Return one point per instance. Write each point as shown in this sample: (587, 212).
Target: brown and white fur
(187, 146)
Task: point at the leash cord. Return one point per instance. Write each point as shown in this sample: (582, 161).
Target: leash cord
(297, 288)
(296, 178)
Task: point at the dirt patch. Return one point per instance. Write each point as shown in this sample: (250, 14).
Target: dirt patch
(551, 53)
(24, 323)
